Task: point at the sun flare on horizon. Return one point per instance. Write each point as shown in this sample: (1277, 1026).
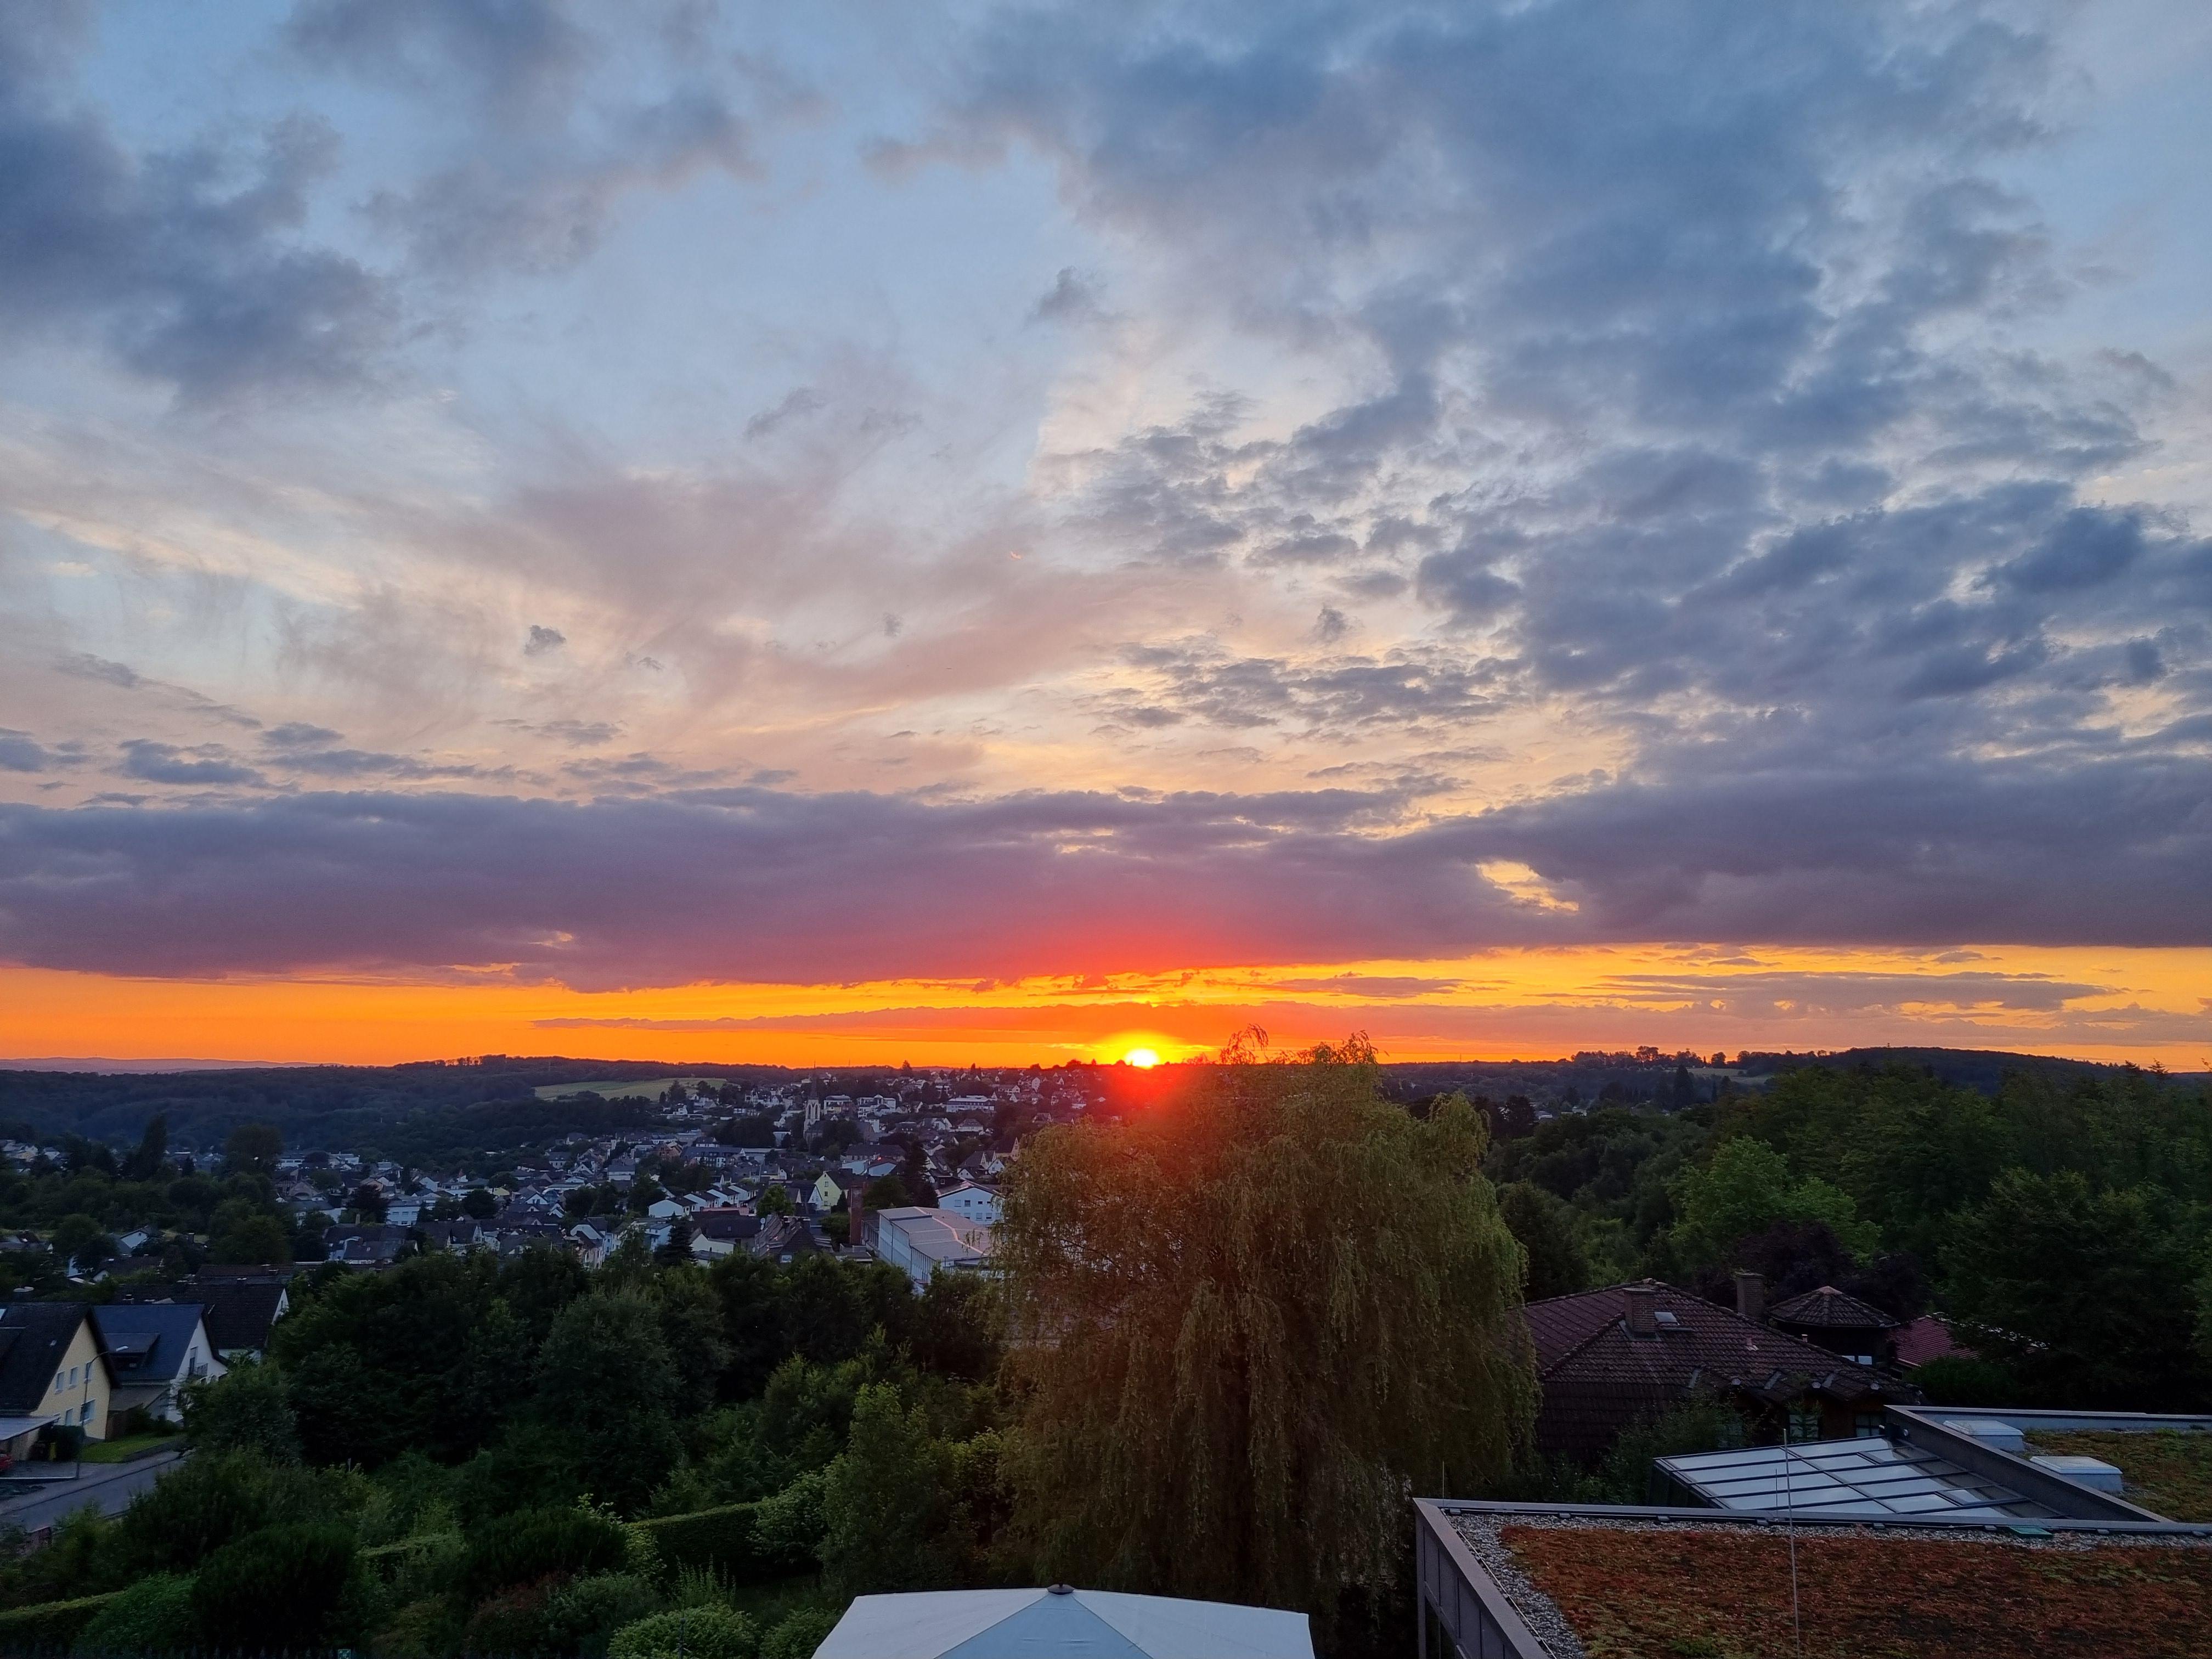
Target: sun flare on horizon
(1143, 1058)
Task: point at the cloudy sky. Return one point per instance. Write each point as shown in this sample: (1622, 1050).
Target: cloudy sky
(998, 533)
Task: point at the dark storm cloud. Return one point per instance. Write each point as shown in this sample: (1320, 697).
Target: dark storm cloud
(741, 884)
(760, 884)
(2102, 850)
(187, 263)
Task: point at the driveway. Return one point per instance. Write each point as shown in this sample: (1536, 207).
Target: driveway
(107, 1487)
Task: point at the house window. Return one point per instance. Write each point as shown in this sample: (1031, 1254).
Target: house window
(1866, 1425)
(1804, 1424)
(1730, 1434)
(84, 1412)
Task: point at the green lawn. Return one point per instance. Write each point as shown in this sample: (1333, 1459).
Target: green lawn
(649, 1089)
(123, 1450)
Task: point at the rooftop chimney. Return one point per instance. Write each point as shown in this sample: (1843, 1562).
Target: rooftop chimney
(1641, 1300)
(1751, 1295)
(856, 1217)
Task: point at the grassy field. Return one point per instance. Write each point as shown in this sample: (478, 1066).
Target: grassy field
(650, 1088)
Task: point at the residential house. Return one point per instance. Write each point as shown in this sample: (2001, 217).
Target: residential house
(241, 1313)
(923, 1242)
(460, 1234)
(784, 1238)
(154, 1349)
(1827, 1318)
(52, 1370)
(827, 1194)
(1609, 1359)
(971, 1200)
(716, 1233)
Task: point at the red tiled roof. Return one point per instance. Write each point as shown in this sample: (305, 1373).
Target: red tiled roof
(1829, 1309)
(1929, 1338)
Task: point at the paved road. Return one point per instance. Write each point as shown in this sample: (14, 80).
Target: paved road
(108, 1487)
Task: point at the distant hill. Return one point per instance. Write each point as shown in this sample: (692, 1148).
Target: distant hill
(1972, 1068)
(427, 1111)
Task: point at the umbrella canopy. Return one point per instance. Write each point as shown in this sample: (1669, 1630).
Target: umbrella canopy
(1061, 1623)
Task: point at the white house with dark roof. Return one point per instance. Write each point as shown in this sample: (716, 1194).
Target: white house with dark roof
(154, 1349)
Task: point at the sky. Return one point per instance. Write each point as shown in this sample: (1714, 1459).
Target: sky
(993, 533)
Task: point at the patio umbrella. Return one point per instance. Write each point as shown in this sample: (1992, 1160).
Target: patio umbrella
(1060, 1623)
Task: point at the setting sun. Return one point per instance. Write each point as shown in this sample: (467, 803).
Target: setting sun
(1145, 1059)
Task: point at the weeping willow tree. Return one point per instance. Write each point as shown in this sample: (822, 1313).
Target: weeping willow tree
(1248, 1325)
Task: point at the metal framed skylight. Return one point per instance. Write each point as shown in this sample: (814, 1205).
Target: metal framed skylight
(1869, 1478)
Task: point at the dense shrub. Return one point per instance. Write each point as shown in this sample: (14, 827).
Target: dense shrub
(708, 1632)
(543, 1543)
(427, 1627)
(513, 1621)
(244, 1411)
(50, 1626)
(799, 1633)
(76, 1561)
(212, 1498)
(581, 1615)
(1956, 1380)
(154, 1615)
(278, 1587)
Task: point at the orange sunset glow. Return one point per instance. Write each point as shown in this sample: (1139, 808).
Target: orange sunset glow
(1048, 559)
(2142, 1005)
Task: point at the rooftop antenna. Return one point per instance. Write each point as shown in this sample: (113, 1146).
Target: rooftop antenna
(1789, 1532)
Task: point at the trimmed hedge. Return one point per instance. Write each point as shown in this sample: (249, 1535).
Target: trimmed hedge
(533, 1544)
(729, 1539)
(50, 1626)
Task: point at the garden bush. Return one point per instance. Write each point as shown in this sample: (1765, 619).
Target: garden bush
(800, 1632)
(212, 1498)
(709, 1632)
(279, 1588)
(513, 1621)
(543, 1543)
(48, 1626)
(1956, 1380)
(154, 1615)
(581, 1615)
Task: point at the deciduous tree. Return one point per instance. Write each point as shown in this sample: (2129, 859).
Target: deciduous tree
(1245, 1323)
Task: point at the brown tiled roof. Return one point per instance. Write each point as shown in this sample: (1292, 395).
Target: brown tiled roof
(1597, 1379)
(1829, 1309)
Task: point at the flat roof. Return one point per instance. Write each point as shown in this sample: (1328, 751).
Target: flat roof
(2167, 1471)
(1558, 1580)
(1873, 1478)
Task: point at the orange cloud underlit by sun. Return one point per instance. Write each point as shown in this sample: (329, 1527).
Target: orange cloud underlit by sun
(2096, 1003)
